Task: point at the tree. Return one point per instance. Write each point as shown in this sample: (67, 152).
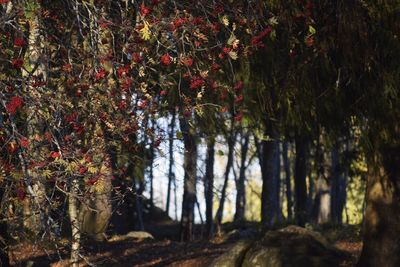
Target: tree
(288, 177)
(209, 186)
(240, 181)
(190, 180)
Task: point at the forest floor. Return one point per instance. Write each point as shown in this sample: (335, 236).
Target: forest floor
(157, 252)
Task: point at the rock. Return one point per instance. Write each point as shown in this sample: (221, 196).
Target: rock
(234, 256)
(239, 234)
(141, 235)
(292, 247)
(304, 231)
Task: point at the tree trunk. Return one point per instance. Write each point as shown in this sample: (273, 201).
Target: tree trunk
(95, 214)
(74, 220)
(268, 156)
(35, 57)
(137, 199)
(322, 201)
(171, 175)
(189, 190)
(4, 237)
(338, 189)
(240, 184)
(300, 174)
(286, 164)
(231, 145)
(209, 186)
(382, 216)
(151, 167)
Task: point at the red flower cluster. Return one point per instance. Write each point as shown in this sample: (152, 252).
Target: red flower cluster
(256, 40)
(67, 67)
(15, 103)
(166, 59)
(122, 71)
(24, 142)
(196, 83)
(71, 118)
(122, 105)
(144, 11)
(136, 57)
(100, 75)
(17, 63)
(19, 42)
(21, 194)
(239, 99)
(239, 116)
(179, 22)
(55, 155)
(187, 61)
(238, 86)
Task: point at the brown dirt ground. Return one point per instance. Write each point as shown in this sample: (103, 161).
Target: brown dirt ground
(142, 253)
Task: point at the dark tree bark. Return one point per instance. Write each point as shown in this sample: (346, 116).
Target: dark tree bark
(122, 204)
(4, 237)
(151, 172)
(300, 174)
(322, 202)
(277, 202)
(382, 215)
(209, 186)
(240, 183)
(268, 156)
(189, 187)
(286, 164)
(137, 199)
(338, 188)
(171, 175)
(231, 145)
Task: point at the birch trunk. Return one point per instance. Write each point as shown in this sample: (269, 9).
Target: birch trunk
(74, 220)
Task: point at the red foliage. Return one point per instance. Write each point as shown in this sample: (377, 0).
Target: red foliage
(21, 194)
(239, 116)
(24, 142)
(187, 61)
(239, 99)
(196, 83)
(218, 9)
(144, 11)
(17, 63)
(82, 170)
(257, 40)
(310, 41)
(67, 68)
(238, 86)
(70, 118)
(179, 22)
(224, 109)
(55, 155)
(123, 71)
(19, 42)
(15, 103)
(166, 59)
(100, 75)
(137, 57)
(92, 181)
(122, 105)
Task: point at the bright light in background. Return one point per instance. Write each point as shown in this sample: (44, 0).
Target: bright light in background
(160, 176)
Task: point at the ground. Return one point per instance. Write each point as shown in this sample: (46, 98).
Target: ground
(157, 252)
